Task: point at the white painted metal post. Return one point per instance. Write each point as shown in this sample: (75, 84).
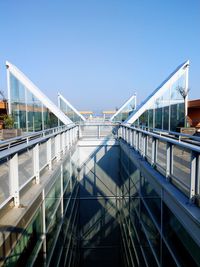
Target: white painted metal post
(79, 132)
(134, 139)
(120, 131)
(123, 135)
(36, 163)
(128, 136)
(74, 135)
(63, 143)
(198, 176)
(57, 147)
(153, 151)
(70, 137)
(168, 161)
(193, 175)
(186, 90)
(137, 140)
(99, 131)
(49, 154)
(144, 150)
(67, 139)
(14, 179)
(61, 189)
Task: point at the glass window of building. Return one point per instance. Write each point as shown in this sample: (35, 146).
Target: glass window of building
(30, 108)
(166, 107)
(126, 110)
(69, 110)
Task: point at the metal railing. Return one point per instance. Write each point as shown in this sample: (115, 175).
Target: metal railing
(177, 160)
(22, 159)
(98, 130)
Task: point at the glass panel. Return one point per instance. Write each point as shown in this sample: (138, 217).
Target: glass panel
(168, 111)
(4, 180)
(161, 155)
(180, 242)
(50, 120)
(152, 199)
(126, 111)
(52, 199)
(158, 113)
(28, 244)
(25, 163)
(70, 113)
(181, 168)
(43, 154)
(53, 147)
(167, 259)
(149, 148)
(151, 230)
(143, 119)
(66, 172)
(34, 113)
(17, 98)
(150, 117)
(52, 231)
(27, 110)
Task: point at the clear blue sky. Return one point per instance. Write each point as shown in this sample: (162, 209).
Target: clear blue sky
(98, 52)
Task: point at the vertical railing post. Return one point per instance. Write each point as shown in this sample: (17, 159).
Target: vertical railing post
(153, 151)
(120, 131)
(36, 163)
(70, 137)
(14, 179)
(99, 132)
(73, 135)
(67, 139)
(63, 143)
(79, 132)
(57, 147)
(126, 135)
(49, 154)
(131, 137)
(136, 141)
(193, 172)
(129, 130)
(169, 160)
(144, 151)
(61, 189)
(198, 176)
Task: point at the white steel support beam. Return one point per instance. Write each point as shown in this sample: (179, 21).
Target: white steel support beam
(36, 163)
(14, 179)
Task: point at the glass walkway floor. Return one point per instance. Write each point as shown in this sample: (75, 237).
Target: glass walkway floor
(101, 194)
